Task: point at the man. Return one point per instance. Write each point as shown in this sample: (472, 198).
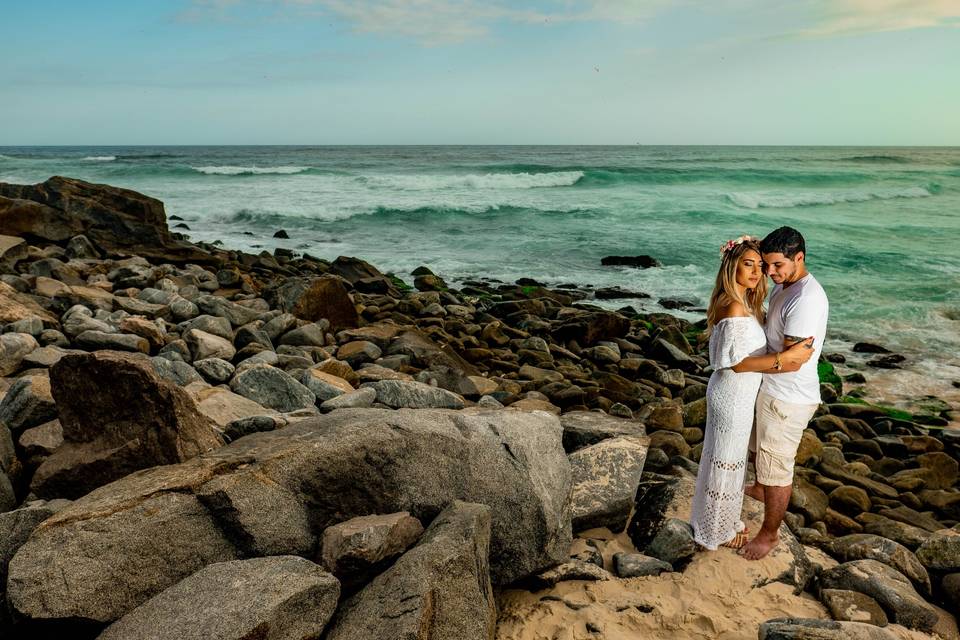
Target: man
(797, 309)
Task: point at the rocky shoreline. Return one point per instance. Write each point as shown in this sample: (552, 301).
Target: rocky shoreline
(276, 445)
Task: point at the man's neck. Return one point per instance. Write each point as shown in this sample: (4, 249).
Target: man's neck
(800, 274)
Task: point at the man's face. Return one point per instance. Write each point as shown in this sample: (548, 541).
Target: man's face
(779, 267)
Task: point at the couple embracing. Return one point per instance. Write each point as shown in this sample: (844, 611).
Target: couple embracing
(764, 388)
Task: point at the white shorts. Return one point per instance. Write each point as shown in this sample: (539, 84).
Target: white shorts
(776, 437)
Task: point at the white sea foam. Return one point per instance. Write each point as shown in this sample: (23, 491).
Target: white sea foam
(100, 158)
(765, 200)
(248, 171)
(430, 182)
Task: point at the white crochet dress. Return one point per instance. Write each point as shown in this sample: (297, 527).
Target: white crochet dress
(731, 396)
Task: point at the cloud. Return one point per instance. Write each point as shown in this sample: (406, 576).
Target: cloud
(850, 17)
(440, 22)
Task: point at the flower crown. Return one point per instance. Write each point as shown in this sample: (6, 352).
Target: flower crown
(730, 244)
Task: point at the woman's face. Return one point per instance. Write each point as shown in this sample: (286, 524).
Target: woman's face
(749, 269)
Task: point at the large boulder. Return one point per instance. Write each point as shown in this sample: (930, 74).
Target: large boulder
(281, 598)
(111, 217)
(585, 428)
(117, 416)
(860, 546)
(314, 298)
(605, 479)
(439, 589)
(428, 354)
(887, 586)
(273, 493)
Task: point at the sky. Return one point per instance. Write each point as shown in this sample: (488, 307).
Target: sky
(792, 72)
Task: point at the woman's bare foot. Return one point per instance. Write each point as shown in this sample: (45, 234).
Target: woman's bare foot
(754, 492)
(759, 547)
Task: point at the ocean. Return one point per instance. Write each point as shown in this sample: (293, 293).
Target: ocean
(882, 224)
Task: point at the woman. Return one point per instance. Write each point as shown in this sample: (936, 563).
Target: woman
(738, 355)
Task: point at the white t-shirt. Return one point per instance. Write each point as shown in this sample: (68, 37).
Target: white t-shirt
(800, 310)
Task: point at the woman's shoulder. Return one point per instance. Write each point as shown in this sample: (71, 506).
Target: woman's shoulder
(732, 311)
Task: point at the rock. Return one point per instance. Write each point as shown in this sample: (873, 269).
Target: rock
(695, 413)
(12, 250)
(136, 421)
(850, 500)
(866, 347)
(427, 354)
(42, 440)
(642, 262)
(278, 597)
(635, 565)
(888, 587)
(853, 606)
(810, 448)
(205, 345)
(398, 394)
(358, 352)
(361, 398)
(439, 589)
(15, 527)
(152, 530)
(666, 416)
(80, 247)
(671, 443)
(214, 370)
(361, 547)
(909, 536)
(209, 324)
(13, 348)
(27, 403)
(605, 478)
(943, 469)
(588, 328)
(674, 543)
(175, 371)
(808, 499)
(271, 387)
(941, 551)
(314, 298)
(584, 428)
(236, 314)
(16, 306)
(951, 589)
(658, 499)
(429, 282)
(891, 361)
(815, 629)
(324, 385)
(867, 546)
(100, 340)
(912, 517)
(572, 570)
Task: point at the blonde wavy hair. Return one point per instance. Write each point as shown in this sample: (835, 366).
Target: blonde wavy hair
(725, 290)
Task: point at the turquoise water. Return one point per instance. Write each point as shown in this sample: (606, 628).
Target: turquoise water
(882, 224)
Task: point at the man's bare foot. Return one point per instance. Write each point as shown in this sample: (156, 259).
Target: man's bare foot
(754, 492)
(759, 546)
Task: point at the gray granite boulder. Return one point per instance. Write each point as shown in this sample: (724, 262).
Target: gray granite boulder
(359, 399)
(271, 388)
(408, 394)
(438, 589)
(214, 370)
(28, 403)
(275, 492)
(673, 544)
(280, 598)
(861, 546)
(205, 345)
(584, 428)
(13, 348)
(176, 371)
(605, 479)
(887, 586)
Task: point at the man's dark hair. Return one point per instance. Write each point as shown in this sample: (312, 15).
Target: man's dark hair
(785, 240)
